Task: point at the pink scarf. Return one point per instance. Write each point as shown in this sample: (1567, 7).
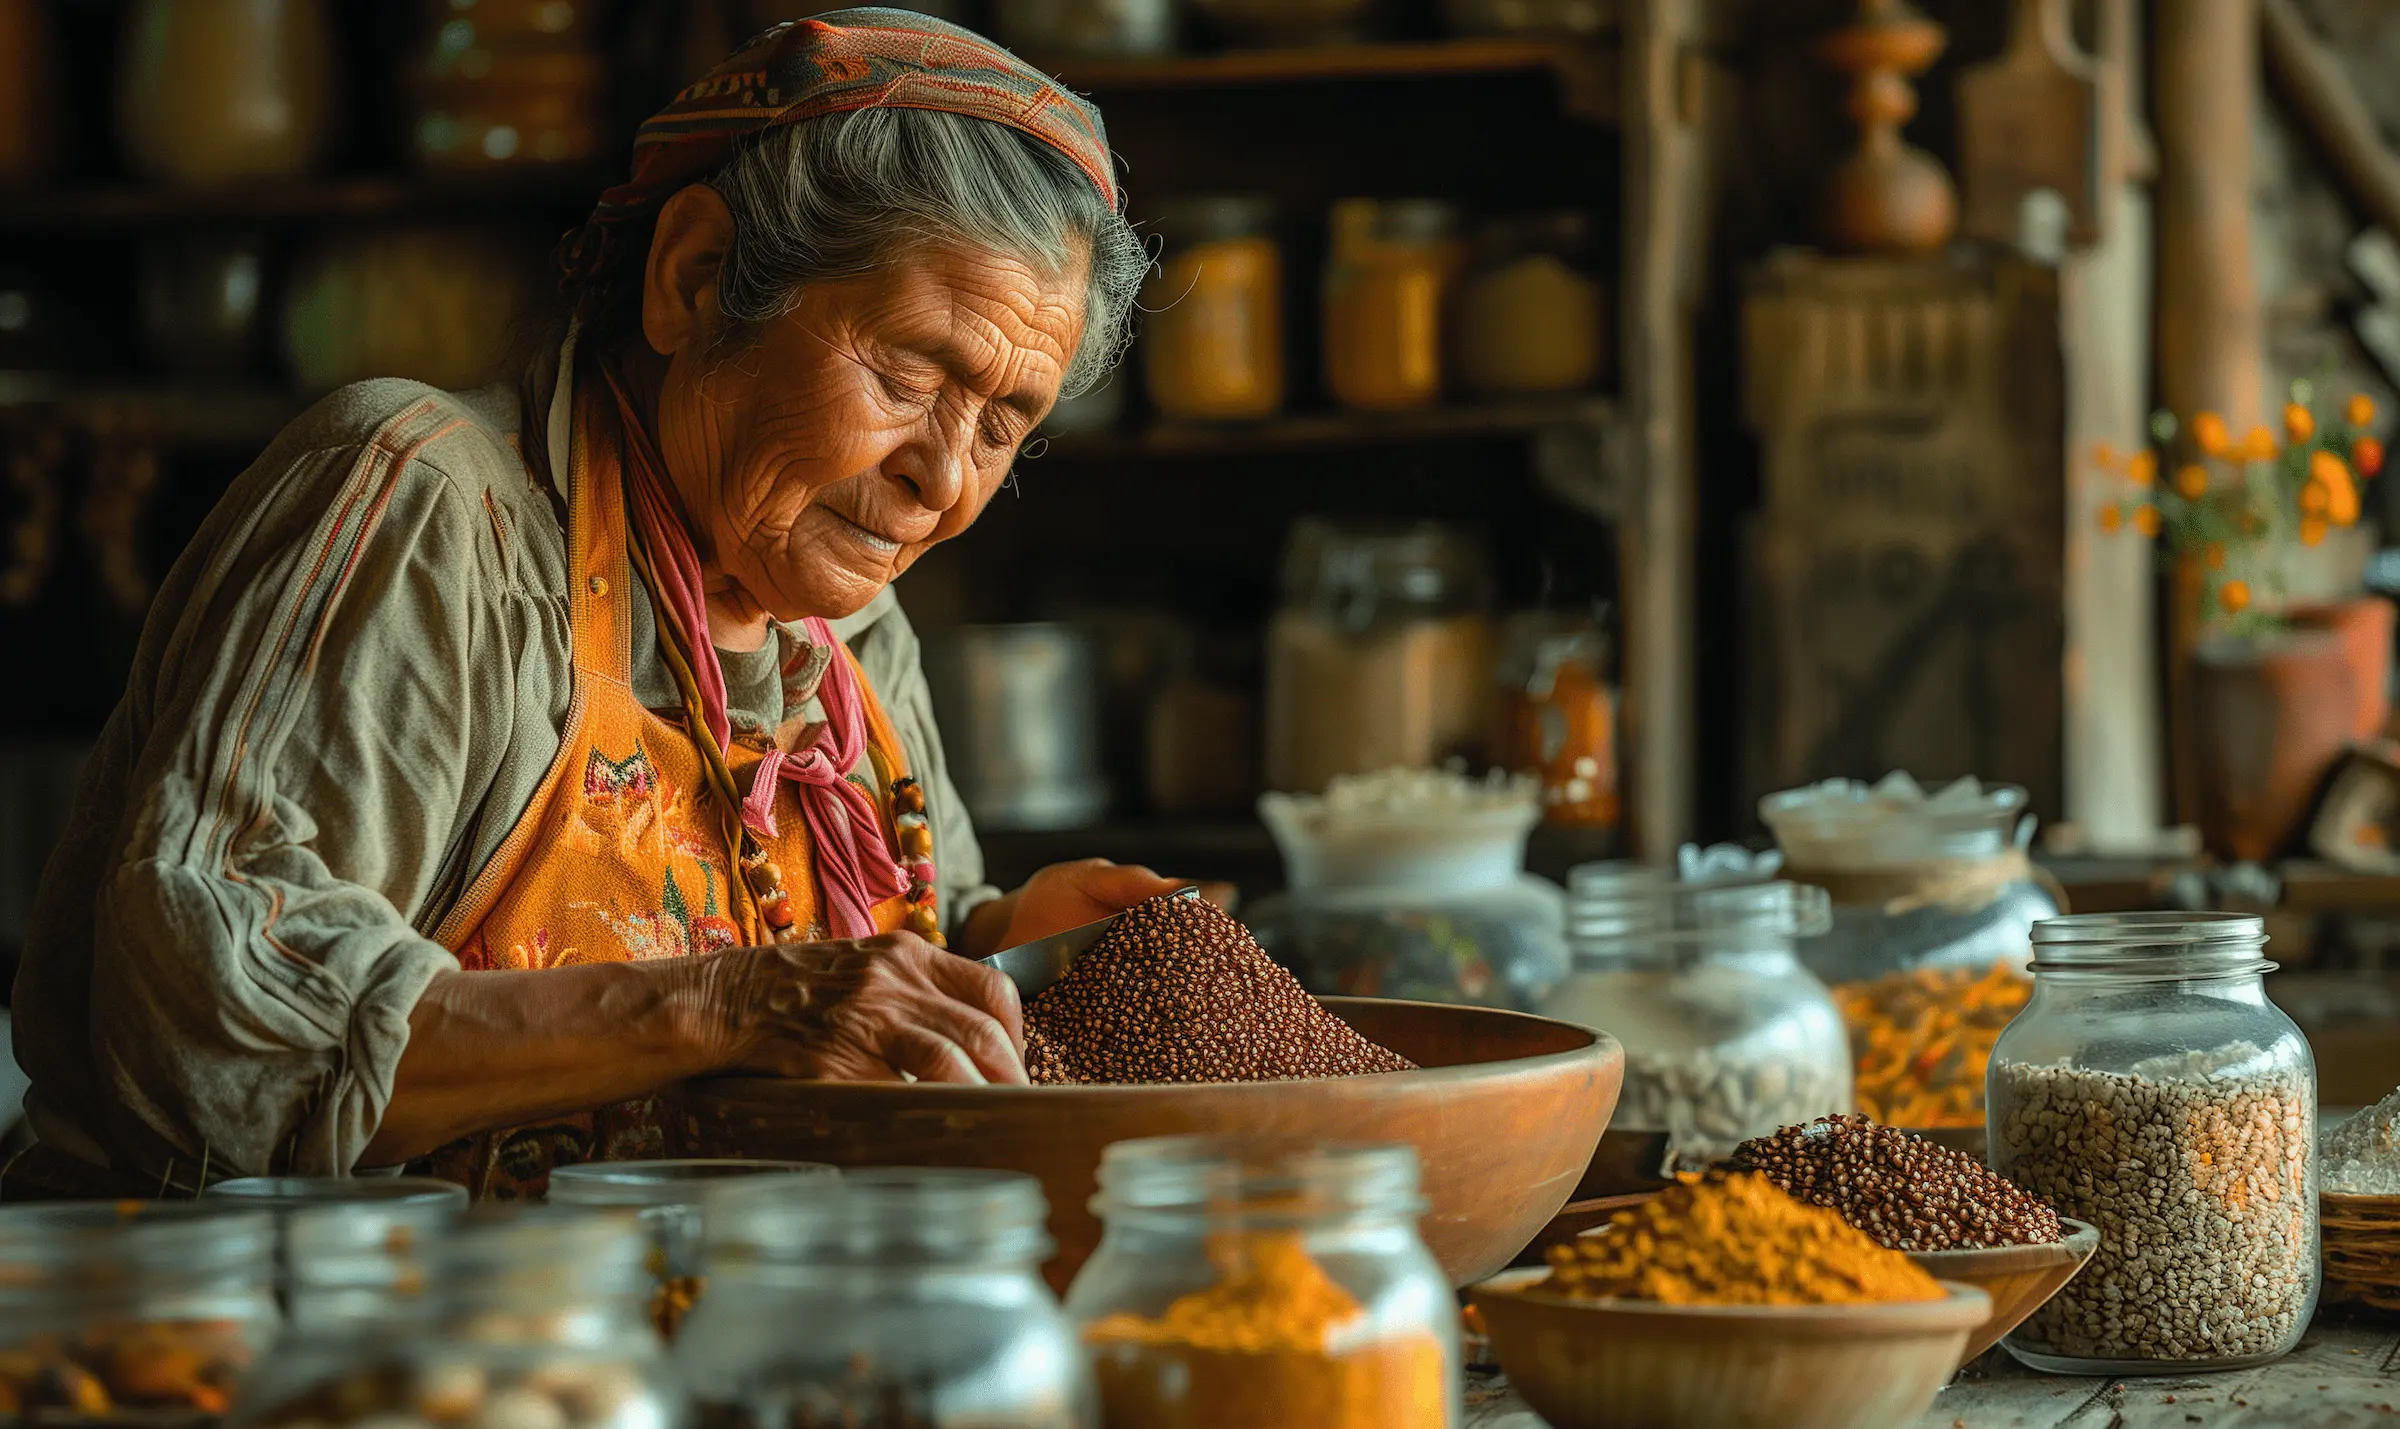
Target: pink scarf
(855, 862)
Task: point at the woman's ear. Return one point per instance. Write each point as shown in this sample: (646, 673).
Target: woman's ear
(679, 283)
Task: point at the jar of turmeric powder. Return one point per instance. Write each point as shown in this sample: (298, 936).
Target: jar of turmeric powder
(1269, 1286)
(1214, 339)
(115, 1309)
(1388, 279)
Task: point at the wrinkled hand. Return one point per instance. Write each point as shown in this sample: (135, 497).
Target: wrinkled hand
(870, 1010)
(1069, 895)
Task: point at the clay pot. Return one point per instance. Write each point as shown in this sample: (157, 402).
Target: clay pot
(2271, 716)
(2364, 628)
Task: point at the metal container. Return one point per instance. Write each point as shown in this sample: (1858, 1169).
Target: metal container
(1019, 711)
(1094, 28)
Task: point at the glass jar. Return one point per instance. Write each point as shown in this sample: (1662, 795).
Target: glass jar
(130, 1308)
(533, 1317)
(2151, 1089)
(1412, 884)
(1215, 328)
(354, 1274)
(212, 92)
(1529, 316)
(1558, 716)
(1269, 1286)
(921, 1294)
(287, 1197)
(671, 1198)
(1934, 900)
(1380, 656)
(1726, 1035)
(481, 108)
(1387, 282)
(1085, 29)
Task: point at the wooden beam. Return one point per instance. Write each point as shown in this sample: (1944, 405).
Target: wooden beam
(2316, 89)
(2204, 67)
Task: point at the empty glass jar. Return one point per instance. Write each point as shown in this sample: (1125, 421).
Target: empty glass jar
(111, 1310)
(532, 1316)
(887, 1299)
(1726, 1036)
(1273, 1287)
(2151, 1089)
(671, 1198)
(354, 1274)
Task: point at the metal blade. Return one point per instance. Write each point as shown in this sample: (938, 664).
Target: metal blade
(1034, 966)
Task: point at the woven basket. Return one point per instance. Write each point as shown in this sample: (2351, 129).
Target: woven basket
(2362, 1249)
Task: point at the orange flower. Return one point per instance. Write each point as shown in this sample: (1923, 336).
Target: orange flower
(2104, 456)
(2142, 468)
(2366, 456)
(2259, 445)
(2214, 554)
(2234, 596)
(2312, 530)
(2343, 509)
(2208, 429)
(2191, 482)
(2341, 493)
(2299, 422)
(2111, 520)
(2316, 498)
(2145, 520)
(2360, 409)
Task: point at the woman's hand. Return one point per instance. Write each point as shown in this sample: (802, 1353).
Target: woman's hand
(1068, 895)
(869, 1010)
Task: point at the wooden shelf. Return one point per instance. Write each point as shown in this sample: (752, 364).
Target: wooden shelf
(184, 413)
(1586, 70)
(1339, 429)
(333, 200)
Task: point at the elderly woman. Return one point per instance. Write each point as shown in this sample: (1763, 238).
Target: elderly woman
(496, 760)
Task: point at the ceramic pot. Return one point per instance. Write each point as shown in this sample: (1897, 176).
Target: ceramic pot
(2364, 628)
(2272, 715)
(216, 91)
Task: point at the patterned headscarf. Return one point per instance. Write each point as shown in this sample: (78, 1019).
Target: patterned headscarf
(833, 63)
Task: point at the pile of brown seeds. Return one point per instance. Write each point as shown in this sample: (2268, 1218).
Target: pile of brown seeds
(1179, 992)
(1902, 1190)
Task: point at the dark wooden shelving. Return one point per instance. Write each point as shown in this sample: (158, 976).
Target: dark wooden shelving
(1338, 429)
(175, 413)
(1586, 70)
(131, 207)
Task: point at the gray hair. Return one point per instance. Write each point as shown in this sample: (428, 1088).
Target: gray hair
(833, 198)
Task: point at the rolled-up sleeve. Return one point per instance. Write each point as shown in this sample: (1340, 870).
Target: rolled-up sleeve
(285, 782)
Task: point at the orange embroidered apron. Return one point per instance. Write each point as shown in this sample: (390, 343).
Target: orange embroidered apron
(623, 855)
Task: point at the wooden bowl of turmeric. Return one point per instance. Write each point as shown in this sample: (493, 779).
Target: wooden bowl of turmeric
(2018, 1278)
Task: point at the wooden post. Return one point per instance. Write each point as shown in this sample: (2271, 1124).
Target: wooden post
(1665, 251)
(2204, 73)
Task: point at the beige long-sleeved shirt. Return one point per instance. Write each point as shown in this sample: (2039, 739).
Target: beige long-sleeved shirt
(347, 692)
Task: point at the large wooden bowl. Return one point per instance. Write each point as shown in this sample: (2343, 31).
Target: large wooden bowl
(2019, 1278)
(1633, 1364)
(1504, 1114)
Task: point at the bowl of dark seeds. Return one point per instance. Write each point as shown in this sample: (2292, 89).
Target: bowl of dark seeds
(1950, 1213)
(1177, 1022)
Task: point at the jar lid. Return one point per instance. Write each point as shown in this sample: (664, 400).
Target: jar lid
(880, 1216)
(1347, 570)
(1213, 218)
(2152, 946)
(1635, 904)
(1257, 1181)
(639, 1184)
(286, 1194)
(1392, 220)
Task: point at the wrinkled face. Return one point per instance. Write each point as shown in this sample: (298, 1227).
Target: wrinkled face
(819, 456)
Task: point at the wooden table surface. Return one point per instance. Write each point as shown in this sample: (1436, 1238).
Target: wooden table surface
(2346, 1372)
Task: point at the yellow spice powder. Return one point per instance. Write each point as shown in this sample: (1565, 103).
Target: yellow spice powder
(1734, 1240)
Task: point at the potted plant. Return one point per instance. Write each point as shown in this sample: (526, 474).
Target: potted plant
(2280, 685)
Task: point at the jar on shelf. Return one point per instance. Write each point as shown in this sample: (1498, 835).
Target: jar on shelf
(462, 23)
(1214, 335)
(2152, 1089)
(487, 106)
(671, 1198)
(1558, 716)
(117, 1309)
(1380, 656)
(211, 92)
(1270, 1286)
(1726, 1035)
(1529, 316)
(1086, 29)
(921, 1296)
(1934, 900)
(1412, 884)
(533, 1316)
(1388, 275)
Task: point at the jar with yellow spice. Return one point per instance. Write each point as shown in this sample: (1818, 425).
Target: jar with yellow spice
(1270, 1286)
(1215, 345)
(1388, 276)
